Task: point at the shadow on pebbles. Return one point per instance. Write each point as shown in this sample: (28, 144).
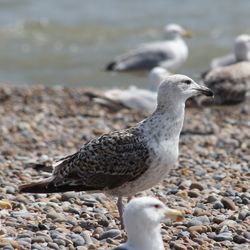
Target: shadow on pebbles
(211, 182)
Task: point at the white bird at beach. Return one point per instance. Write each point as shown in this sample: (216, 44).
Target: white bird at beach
(241, 53)
(142, 218)
(169, 54)
(125, 162)
(144, 100)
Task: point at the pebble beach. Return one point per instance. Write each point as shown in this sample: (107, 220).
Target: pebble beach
(211, 182)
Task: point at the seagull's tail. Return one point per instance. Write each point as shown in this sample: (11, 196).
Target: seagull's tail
(43, 186)
(111, 66)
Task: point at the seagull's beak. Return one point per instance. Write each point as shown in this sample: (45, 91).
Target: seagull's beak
(187, 33)
(204, 90)
(174, 214)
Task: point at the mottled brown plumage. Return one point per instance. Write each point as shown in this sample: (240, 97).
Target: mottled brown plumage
(229, 84)
(101, 164)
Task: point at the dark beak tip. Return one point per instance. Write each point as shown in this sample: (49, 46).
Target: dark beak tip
(209, 93)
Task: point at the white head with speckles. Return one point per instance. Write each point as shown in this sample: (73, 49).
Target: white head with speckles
(176, 89)
(142, 217)
(156, 76)
(242, 47)
(174, 31)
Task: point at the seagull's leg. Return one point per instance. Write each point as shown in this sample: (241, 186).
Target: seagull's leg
(120, 209)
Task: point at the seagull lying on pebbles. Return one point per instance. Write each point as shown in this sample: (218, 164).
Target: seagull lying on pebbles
(241, 53)
(142, 218)
(169, 54)
(230, 84)
(144, 100)
(122, 163)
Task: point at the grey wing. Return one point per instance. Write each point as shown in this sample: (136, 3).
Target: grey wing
(103, 163)
(223, 61)
(140, 59)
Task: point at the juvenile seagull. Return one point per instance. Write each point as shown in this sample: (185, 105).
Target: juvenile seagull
(241, 53)
(135, 98)
(230, 84)
(128, 161)
(169, 54)
(142, 218)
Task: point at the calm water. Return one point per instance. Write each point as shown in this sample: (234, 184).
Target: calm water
(68, 42)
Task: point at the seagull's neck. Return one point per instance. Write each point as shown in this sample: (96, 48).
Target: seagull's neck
(146, 239)
(166, 122)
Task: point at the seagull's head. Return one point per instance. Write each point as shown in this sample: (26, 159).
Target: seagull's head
(156, 76)
(173, 31)
(179, 88)
(242, 47)
(147, 213)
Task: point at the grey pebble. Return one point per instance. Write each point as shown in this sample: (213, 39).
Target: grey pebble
(218, 205)
(224, 236)
(38, 239)
(211, 199)
(36, 246)
(200, 220)
(239, 239)
(24, 243)
(53, 246)
(247, 235)
(112, 233)
(8, 247)
(86, 237)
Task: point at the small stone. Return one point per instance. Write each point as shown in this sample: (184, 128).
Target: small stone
(224, 236)
(178, 246)
(196, 185)
(199, 229)
(218, 205)
(193, 194)
(247, 235)
(53, 246)
(200, 220)
(77, 229)
(211, 199)
(219, 218)
(239, 239)
(228, 203)
(38, 239)
(112, 233)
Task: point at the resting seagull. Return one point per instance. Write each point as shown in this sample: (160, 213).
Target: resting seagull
(127, 161)
(142, 218)
(241, 53)
(139, 99)
(169, 54)
(230, 84)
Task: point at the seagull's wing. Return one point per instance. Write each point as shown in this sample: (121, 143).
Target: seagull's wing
(143, 58)
(230, 83)
(103, 163)
(223, 61)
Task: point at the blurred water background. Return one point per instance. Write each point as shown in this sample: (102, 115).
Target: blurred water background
(68, 42)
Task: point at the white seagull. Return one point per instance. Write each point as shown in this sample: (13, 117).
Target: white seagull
(125, 162)
(139, 99)
(142, 218)
(241, 53)
(169, 54)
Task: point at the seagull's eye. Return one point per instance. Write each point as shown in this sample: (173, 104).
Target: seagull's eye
(157, 206)
(188, 82)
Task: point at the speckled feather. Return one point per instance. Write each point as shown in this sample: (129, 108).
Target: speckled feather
(101, 164)
(229, 83)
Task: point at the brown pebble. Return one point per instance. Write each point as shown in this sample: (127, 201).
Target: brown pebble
(178, 246)
(193, 194)
(77, 229)
(199, 228)
(196, 185)
(228, 203)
